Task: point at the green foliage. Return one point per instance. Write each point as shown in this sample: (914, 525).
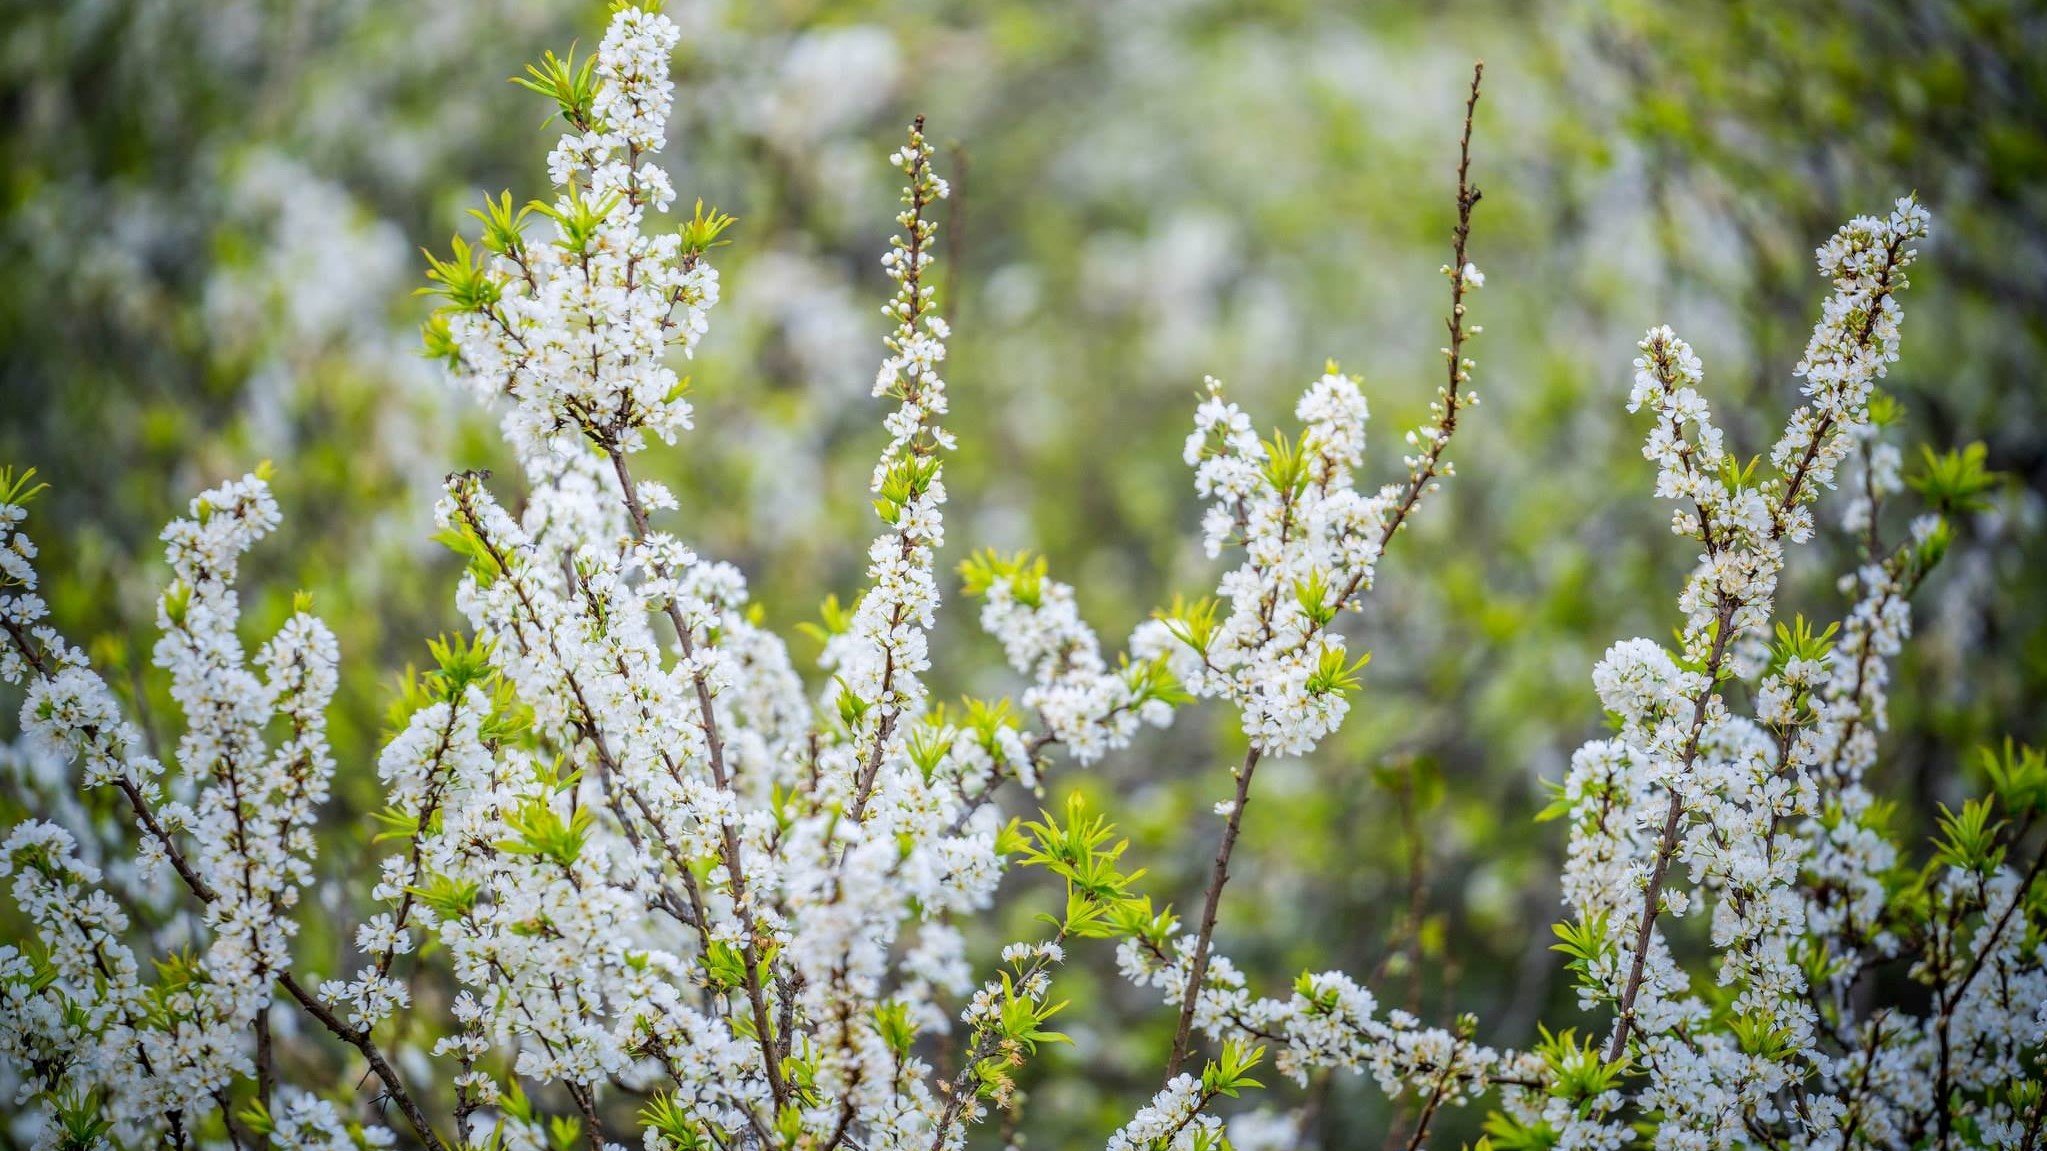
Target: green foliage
(928, 745)
(1956, 480)
(1288, 463)
(908, 476)
(19, 487)
(673, 1122)
(1969, 838)
(2018, 777)
(1798, 641)
(1078, 850)
(180, 978)
(1560, 803)
(1578, 1072)
(81, 1120)
(445, 897)
(573, 88)
(1022, 1020)
(502, 224)
(1230, 1072)
(1312, 594)
(897, 1030)
(1504, 1132)
(701, 232)
(1736, 476)
(1333, 674)
(1153, 680)
(834, 620)
(1584, 945)
(1024, 573)
(985, 721)
(1760, 1036)
(464, 279)
(576, 218)
(256, 1117)
(539, 829)
(1191, 622)
(1134, 918)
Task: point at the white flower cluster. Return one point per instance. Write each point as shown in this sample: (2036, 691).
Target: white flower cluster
(643, 868)
(576, 329)
(83, 1019)
(1172, 1121)
(1084, 705)
(1311, 542)
(1329, 1022)
(1767, 815)
(881, 660)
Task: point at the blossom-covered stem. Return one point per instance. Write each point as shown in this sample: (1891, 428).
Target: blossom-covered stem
(692, 915)
(735, 866)
(205, 894)
(1192, 1113)
(1183, 1035)
(1435, 1101)
(638, 511)
(1989, 944)
(1952, 998)
(1853, 1104)
(587, 722)
(360, 1040)
(1903, 582)
(1666, 845)
(961, 1089)
(417, 841)
(137, 803)
(1874, 309)
(912, 301)
(1782, 506)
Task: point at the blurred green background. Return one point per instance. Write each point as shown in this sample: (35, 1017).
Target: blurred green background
(209, 222)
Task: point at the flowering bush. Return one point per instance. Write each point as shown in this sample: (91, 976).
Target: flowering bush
(649, 884)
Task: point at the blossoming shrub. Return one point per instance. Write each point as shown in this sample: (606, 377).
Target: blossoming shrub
(646, 883)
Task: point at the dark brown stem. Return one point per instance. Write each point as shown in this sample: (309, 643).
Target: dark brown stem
(735, 868)
(1198, 968)
(1421, 1127)
(266, 1072)
(1446, 424)
(1944, 1112)
(203, 892)
(1430, 464)
(361, 1041)
(1667, 842)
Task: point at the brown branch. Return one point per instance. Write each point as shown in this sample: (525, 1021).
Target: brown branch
(361, 1041)
(1198, 969)
(1432, 457)
(1667, 841)
(204, 893)
(735, 867)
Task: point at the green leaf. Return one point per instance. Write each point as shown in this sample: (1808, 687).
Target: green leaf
(1955, 480)
(1229, 1072)
(573, 89)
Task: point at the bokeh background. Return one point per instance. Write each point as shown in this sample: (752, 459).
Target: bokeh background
(209, 223)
